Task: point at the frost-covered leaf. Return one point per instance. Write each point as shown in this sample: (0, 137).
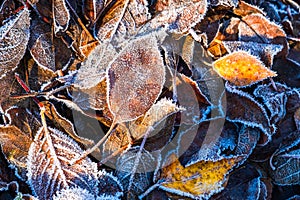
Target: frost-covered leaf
(247, 140)
(122, 21)
(242, 68)
(199, 180)
(297, 118)
(265, 52)
(244, 183)
(92, 8)
(158, 112)
(14, 36)
(74, 193)
(49, 168)
(109, 185)
(178, 16)
(141, 177)
(229, 3)
(61, 15)
(15, 144)
(243, 9)
(243, 108)
(135, 79)
(41, 45)
(285, 165)
(274, 99)
(257, 28)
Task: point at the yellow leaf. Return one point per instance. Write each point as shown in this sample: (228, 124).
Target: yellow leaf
(242, 69)
(201, 179)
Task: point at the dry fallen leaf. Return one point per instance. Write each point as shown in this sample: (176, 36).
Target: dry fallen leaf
(61, 15)
(135, 79)
(199, 180)
(242, 69)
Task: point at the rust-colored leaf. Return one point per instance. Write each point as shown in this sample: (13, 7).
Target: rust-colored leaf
(135, 79)
(242, 69)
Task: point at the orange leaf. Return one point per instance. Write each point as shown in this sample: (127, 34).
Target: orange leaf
(201, 179)
(242, 69)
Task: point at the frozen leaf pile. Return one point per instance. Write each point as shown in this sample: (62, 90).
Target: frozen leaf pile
(149, 99)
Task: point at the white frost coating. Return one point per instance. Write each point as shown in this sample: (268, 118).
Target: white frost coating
(75, 193)
(48, 173)
(61, 16)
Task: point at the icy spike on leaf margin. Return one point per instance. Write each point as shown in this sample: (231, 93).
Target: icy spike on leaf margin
(14, 36)
(48, 165)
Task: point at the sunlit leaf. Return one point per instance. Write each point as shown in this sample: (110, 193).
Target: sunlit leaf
(14, 36)
(244, 9)
(15, 144)
(135, 79)
(242, 68)
(199, 180)
(49, 169)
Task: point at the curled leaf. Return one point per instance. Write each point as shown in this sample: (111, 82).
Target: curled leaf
(242, 69)
(61, 15)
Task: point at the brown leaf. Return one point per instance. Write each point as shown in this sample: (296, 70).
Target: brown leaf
(297, 118)
(14, 36)
(15, 144)
(61, 15)
(179, 16)
(242, 69)
(135, 79)
(257, 28)
(244, 9)
(49, 169)
(199, 180)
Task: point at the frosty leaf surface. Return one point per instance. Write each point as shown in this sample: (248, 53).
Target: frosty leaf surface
(135, 79)
(61, 15)
(14, 36)
(48, 165)
(75, 193)
(242, 69)
(178, 16)
(109, 185)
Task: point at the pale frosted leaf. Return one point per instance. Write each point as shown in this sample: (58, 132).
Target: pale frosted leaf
(75, 193)
(109, 185)
(141, 177)
(123, 21)
(14, 36)
(265, 52)
(158, 112)
(15, 144)
(92, 70)
(41, 46)
(49, 169)
(178, 16)
(61, 15)
(135, 79)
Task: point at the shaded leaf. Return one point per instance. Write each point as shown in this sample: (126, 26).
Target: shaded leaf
(141, 177)
(92, 8)
(242, 69)
(297, 118)
(61, 15)
(48, 165)
(109, 185)
(241, 107)
(178, 16)
(135, 79)
(15, 144)
(199, 180)
(14, 36)
(242, 184)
